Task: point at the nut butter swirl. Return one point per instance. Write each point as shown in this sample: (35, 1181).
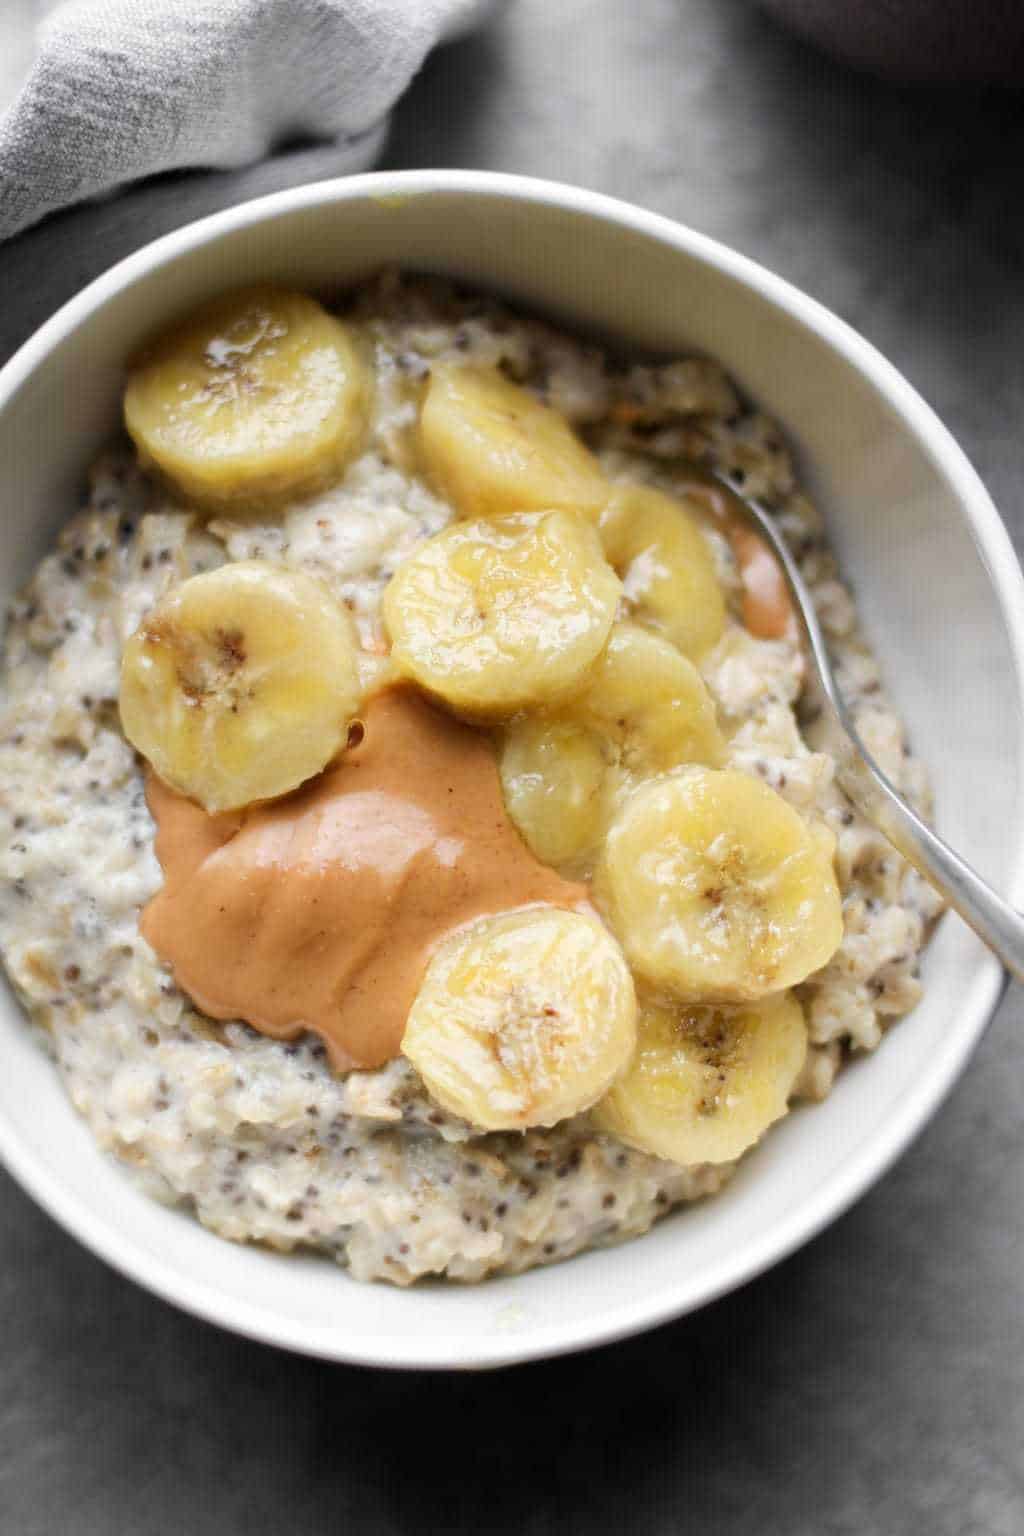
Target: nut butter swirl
(319, 911)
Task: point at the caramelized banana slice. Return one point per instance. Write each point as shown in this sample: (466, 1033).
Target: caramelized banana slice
(241, 683)
(706, 1083)
(650, 702)
(501, 614)
(667, 569)
(258, 397)
(717, 888)
(553, 777)
(642, 710)
(523, 1019)
(491, 447)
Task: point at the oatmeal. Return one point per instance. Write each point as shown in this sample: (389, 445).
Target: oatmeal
(390, 1169)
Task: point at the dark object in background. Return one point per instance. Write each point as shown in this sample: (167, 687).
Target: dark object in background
(938, 41)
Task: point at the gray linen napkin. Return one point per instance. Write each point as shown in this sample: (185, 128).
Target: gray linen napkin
(123, 89)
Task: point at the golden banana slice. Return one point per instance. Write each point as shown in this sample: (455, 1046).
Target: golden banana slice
(717, 888)
(642, 710)
(667, 569)
(523, 1019)
(650, 702)
(241, 683)
(491, 447)
(553, 777)
(258, 397)
(497, 615)
(706, 1083)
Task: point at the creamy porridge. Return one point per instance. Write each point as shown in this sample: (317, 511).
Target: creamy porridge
(398, 1170)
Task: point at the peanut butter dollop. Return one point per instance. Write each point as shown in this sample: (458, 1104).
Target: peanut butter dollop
(319, 911)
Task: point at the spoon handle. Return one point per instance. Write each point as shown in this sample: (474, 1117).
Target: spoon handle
(995, 922)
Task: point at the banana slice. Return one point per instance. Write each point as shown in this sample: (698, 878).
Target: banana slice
(706, 1083)
(258, 397)
(717, 888)
(491, 447)
(497, 615)
(241, 683)
(523, 1019)
(644, 709)
(667, 569)
(650, 702)
(553, 778)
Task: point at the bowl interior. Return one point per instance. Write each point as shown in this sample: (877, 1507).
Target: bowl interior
(940, 594)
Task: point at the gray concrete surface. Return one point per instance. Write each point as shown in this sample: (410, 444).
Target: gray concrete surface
(872, 1385)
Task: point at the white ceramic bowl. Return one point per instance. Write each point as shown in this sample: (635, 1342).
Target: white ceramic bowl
(940, 592)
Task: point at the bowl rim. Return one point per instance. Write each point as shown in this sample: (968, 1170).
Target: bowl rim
(116, 1246)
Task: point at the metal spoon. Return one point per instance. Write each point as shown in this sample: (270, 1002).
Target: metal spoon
(993, 919)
